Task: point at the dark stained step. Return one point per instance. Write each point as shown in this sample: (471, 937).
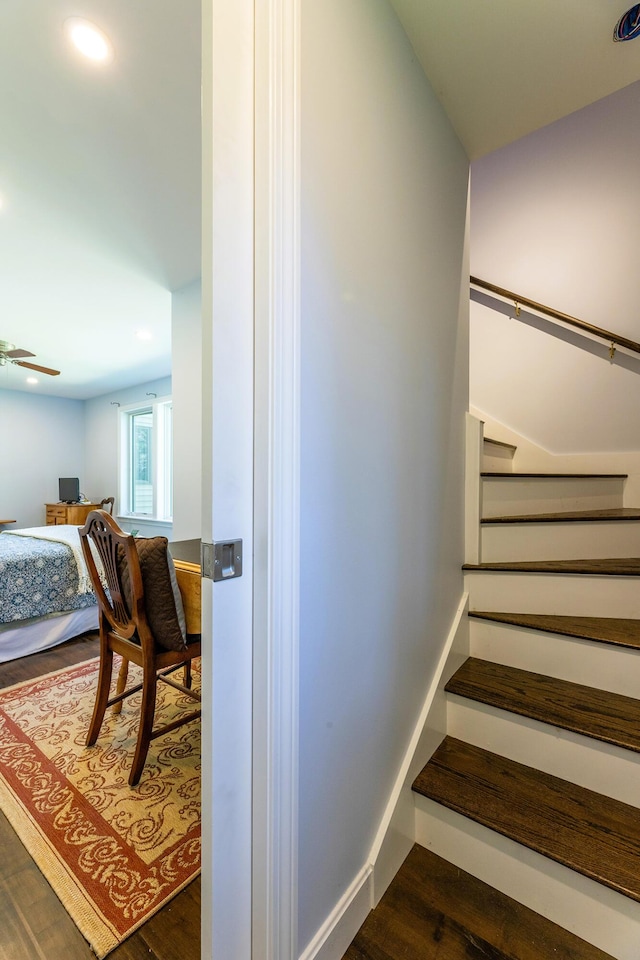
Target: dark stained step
(598, 714)
(557, 476)
(614, 514)
(435, 911)
(611, 567)
(616, 630)
(500, 443)
(587, 832)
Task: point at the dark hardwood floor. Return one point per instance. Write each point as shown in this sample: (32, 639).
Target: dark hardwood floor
(435, 911)
(33, 923)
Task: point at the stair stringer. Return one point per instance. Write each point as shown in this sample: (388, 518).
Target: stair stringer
(396, 833)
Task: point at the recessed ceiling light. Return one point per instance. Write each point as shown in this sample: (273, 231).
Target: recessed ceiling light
(144, 335)
(32, 379)
(90, 40)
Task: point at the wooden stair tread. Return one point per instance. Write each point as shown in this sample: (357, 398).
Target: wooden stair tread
(594, 835)
(621, 631)
(610, 567)
(599, 714)
(555, 476)
(500, 443)
(612, 514)
(435, 911)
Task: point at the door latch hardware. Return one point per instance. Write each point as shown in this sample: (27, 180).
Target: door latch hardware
(206, 560)
(227, 559)
(221, 560)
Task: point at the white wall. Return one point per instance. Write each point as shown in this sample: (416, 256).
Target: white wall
(186, 351)
(556, 217)
(384, 184)
(101, 446)
(42, 439)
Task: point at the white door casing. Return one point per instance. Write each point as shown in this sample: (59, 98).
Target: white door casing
(250, 476)
(277, 500)
(227, 466)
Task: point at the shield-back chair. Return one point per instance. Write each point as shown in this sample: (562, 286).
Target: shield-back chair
(140, 619)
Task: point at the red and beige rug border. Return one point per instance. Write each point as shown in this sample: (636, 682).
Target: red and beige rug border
(102, 935)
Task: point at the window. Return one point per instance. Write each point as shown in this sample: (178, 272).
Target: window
(146, 466)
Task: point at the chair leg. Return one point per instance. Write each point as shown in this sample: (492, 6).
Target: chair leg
(102, 695)
(147, 712)
(121, 684)
(187, 674)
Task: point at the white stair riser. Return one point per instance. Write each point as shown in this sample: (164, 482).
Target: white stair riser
(522, 495)
(496, 464)
(496, 458)
(590, 763)
(594, 664)
(559, 541)
(573, 595)
(586, 908)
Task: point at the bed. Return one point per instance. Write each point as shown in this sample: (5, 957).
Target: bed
(45, 591)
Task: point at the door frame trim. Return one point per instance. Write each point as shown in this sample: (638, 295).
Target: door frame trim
(276, 480)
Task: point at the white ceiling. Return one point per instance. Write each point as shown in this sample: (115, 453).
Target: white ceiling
(100, 166)
(503, 68)
(100, 175)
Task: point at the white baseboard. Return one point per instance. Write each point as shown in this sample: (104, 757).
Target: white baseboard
(336, 933)
(396, 834)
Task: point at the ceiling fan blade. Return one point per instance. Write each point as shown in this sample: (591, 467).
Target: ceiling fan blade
(17, 354)
(34, 366)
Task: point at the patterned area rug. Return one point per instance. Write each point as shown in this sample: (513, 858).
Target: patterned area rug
(113, 854)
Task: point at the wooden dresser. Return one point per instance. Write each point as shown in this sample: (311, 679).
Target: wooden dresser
(74, 513)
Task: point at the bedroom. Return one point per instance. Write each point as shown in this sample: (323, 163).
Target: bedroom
(99, 242)
(100, 248)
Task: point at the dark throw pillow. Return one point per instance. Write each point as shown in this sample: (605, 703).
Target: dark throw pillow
(162, 599)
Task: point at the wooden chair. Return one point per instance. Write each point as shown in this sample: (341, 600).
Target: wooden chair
(139, 601)
(108, 501)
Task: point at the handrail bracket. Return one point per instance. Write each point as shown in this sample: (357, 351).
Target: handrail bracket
(614, 339)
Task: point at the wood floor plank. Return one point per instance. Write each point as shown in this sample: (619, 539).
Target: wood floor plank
(172, 933)
(599, 714)
(435, 911)
(33, 923)
(47, 661)
(611, 515)
(619, 631)
(594, 835)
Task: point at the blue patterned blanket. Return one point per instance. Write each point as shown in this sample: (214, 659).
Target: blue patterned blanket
(38, 577)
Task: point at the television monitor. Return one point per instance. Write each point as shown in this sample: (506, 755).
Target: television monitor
(69, 489)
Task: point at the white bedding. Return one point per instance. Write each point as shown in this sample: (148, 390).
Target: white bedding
(31, 636)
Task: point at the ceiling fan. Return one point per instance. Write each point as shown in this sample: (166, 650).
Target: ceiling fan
(10, 354)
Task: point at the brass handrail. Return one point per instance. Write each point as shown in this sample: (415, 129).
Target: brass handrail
(518, 300)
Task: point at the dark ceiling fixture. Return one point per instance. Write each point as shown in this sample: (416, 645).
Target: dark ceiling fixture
(628, 26)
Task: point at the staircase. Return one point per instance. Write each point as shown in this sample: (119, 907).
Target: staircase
(531, 804)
